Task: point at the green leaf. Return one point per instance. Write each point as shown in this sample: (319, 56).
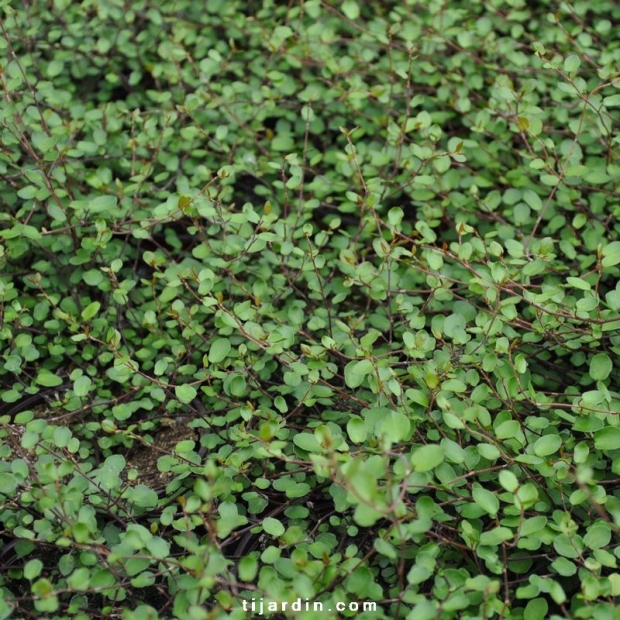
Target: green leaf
(142, 496)
(135, 566)
(108, 472)
(365, 515)
(496, 536)
(395, 216)
(597, 536)
(248, 568)
(424, 610)
(307, 441)
(230, 519)
(47, 379)
(79, 579)
(564, 567)
(579, 283)
(568, 546)
(185, 445)
(486, 500)
(532, 199)
(32, 569)
(532, 525)
(427, 457)
(547, 444)
(102, 204)
(356, 371)
(158, 547)
(8, 484)
(62, 436)
(351, 9)
(572, 63)
(43, 588)
(6, 610)
(600, 367)
(395, 426)
(55, 68)
(611, 254)
(220, 348)
(91, 310)
(273, 527)
(510, 428)
(185, 393)
(454, 385)
(611, 101)
(489, 451)
(508, 480)
(442, 163)
(607, 438)
(235, 385)
(357, 429)
(102, 578)
(28, 192)
(536, 609)
(81, 386)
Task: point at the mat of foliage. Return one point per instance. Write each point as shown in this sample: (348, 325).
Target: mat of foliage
(367, 253)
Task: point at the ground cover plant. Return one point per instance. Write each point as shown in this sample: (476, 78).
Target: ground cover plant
(309, 300)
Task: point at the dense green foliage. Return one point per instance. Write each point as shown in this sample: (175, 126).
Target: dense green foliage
(366, 255)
